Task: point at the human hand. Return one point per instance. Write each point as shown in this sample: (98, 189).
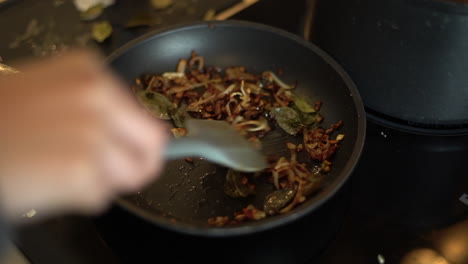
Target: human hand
(71, 138)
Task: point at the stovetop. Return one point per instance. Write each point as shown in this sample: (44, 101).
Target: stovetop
(407, 199)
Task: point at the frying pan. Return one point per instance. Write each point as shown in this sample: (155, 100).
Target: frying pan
(187, 194)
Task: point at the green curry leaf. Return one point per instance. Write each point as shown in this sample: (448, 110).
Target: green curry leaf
(288, 119)
(279, 199)
(101, 30)
(157, 104)
(307, 119)
(178, 115)
(303, 105)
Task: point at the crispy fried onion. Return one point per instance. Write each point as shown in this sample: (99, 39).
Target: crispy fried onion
(196, 60)
(318, 143)
(238, 96)
(248, 213)
(218, 221)
(271, 77)
(289, 169)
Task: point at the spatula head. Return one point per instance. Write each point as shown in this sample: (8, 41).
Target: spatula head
(228, 146)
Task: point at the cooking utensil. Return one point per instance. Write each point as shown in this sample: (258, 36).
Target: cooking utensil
(218, 142)
(187, 194)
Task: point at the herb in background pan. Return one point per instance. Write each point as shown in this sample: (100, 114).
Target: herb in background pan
(101, 30)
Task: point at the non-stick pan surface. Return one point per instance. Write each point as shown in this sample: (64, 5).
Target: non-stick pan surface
(187, 194)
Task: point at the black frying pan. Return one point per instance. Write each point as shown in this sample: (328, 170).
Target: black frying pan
(187, 195)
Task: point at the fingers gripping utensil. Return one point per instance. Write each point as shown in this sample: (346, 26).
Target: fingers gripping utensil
(218, 142)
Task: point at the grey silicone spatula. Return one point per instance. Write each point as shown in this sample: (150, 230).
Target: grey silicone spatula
(218, 142)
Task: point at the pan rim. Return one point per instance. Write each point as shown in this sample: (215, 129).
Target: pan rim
(320, 198)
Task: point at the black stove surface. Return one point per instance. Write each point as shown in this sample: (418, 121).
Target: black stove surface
(406, 201)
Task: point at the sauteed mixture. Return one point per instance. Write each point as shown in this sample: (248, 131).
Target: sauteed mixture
(254, 104)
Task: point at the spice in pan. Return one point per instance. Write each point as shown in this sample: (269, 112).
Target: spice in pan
(254, 104)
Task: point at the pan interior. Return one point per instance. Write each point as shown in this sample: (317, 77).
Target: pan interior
(186, 194)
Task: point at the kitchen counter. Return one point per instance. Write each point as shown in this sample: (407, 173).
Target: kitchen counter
(38, 28)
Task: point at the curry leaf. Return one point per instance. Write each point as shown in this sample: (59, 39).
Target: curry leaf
(178, 115)
(101, 30)
(288, 119)
(233, 186)
(157, 104)
(307, 119)
(303, 105)
(279, 199)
